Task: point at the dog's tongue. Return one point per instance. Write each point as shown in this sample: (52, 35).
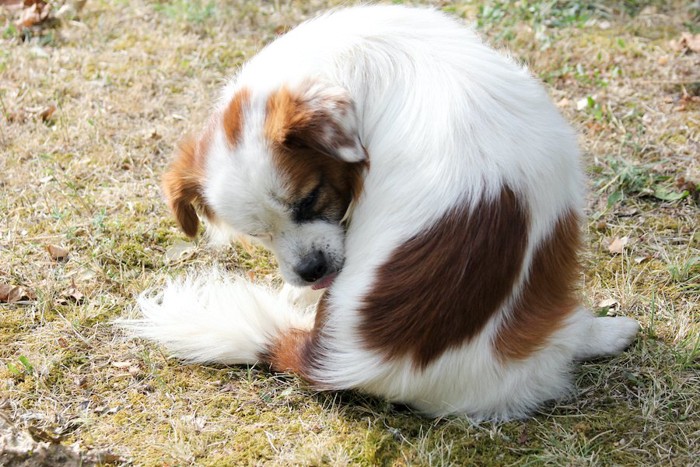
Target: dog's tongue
(325, 282)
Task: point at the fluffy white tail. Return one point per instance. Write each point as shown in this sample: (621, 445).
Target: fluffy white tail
(209, 317)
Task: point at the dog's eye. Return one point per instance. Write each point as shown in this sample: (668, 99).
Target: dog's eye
(304, 209)
(295, 142)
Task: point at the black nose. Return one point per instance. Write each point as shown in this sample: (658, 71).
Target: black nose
(312, 267)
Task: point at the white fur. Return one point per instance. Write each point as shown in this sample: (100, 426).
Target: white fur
(446, 121)
(212, 317)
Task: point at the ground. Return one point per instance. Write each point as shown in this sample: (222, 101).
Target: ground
(93, 99)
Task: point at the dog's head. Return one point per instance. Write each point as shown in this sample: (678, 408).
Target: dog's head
(282, 167)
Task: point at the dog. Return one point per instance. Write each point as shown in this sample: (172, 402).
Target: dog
(423, 198)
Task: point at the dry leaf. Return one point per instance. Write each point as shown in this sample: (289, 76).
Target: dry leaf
(686, 102)
(617, 246)
(14, 294)
(687, 43)
(125, 364)
(46, 114)
(5, 292)
(178, 251)
(608, 303)
(34, 12)
(71, 296)
(57, 253)
(16, 116)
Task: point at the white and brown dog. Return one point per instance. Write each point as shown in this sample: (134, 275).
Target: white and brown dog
(387, 155)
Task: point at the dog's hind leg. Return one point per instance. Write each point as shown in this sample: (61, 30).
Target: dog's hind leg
(606, 336)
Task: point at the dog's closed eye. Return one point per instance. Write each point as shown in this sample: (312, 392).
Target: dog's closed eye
(304, 210)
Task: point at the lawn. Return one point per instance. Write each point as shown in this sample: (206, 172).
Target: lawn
(93, 100)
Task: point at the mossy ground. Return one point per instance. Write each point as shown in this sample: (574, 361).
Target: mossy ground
(128, 79)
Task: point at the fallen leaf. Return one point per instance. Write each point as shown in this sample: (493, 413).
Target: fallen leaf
(57, 253)
(687, 102)
(686, 185)
(617, 246)
(14, 294)
(608, 303)
(34, 12)
(687, 43)
(5, 292)
(46, 114)
(16, 116)
(179, 250)
(125, 364)
(71, 296)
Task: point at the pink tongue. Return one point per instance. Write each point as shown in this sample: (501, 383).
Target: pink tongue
(325, 282)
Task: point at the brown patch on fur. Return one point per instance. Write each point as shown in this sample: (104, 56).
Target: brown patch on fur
(314, 116)
(549, 295)
(182, 184)
(292, 128)
(287, 353)
(441, 287)
(232, 118)
(297, 351)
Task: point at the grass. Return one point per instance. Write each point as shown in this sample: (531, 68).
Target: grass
(128, 79)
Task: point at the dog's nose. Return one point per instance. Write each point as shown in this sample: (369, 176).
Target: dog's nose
(312, 267)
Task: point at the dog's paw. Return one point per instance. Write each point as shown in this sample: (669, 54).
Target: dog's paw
(616, 334)
(300, 297)
(608, 336)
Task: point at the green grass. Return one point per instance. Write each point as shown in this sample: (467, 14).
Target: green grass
(130, 78)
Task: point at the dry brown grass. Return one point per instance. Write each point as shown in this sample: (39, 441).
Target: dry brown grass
(128, 79)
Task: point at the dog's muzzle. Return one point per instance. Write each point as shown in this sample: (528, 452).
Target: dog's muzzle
(312, 267)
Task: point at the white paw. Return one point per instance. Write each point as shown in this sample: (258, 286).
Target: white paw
(608, 336)
(619, 332)
(300, 297)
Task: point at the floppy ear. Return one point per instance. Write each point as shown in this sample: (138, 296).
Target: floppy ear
(182, 185)
(319, 116)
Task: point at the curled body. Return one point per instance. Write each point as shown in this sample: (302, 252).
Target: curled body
(425, 184)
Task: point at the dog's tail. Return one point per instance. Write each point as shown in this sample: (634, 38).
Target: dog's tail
(209, 317)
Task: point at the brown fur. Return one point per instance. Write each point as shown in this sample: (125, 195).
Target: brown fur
(182, 182)
(233, 116)
(290, 123)
(307, 117)
(297, 350)
(441, 287)
(182, 185)
(548, 296)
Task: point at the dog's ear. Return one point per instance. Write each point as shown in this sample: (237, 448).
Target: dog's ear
(318, 116)
(182, 186)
